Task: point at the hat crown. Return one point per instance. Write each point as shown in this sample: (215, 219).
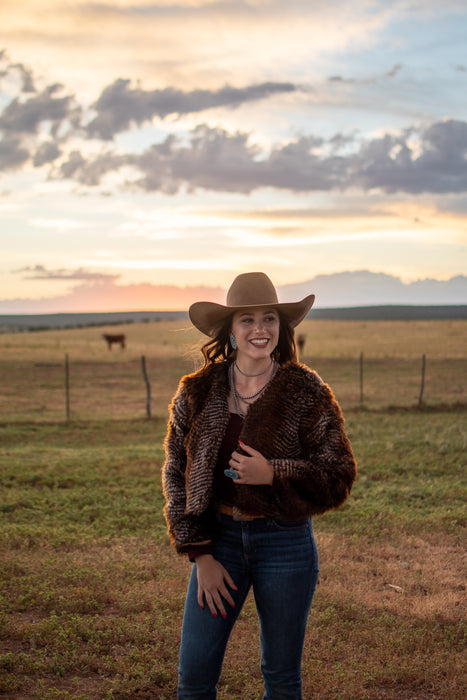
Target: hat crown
(252, 289)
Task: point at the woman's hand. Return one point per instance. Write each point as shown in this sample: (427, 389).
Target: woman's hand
(213, 580)
(251, 468)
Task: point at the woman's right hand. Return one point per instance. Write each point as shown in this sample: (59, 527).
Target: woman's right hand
(213, 580)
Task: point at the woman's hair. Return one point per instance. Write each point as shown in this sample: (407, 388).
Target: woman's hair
(219, 348)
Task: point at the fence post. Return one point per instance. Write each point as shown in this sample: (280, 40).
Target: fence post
(148, 387)
(422, 383)
(361, 378)
(67, 386)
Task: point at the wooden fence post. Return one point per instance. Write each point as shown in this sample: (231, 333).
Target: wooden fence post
(148, 387)
(67, 386)
(422, 383)
(361, 378)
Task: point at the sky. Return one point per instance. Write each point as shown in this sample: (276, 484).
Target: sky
(151, 151)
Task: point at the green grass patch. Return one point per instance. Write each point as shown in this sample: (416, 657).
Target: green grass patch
(92, 595)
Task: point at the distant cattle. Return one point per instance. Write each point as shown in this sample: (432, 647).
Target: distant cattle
(301, 341)
(111, 339)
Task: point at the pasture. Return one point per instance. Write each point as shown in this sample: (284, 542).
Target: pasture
(91, 593)
(109, 383)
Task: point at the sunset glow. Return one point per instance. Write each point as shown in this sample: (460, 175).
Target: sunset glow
(162, 146)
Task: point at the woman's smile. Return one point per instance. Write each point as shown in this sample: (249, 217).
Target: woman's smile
(259, 342)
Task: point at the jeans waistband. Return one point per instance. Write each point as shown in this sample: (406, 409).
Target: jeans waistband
(235, 513)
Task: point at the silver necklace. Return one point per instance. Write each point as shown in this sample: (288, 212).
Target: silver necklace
(245, 399)
(254, 375)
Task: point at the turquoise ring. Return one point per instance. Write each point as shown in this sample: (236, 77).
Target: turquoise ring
(231, 473)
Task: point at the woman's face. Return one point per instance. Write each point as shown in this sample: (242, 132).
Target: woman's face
(256, 332)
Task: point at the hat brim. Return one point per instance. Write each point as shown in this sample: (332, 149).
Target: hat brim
(207, 316)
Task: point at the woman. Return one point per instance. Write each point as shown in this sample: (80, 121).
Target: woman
(255, 446)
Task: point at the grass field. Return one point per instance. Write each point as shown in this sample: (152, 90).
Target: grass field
(92, 595)
(107, 384)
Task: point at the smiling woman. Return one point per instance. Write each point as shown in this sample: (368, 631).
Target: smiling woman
(255, 446)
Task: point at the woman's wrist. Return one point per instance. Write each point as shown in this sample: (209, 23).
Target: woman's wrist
(203, 558)
(197, 550)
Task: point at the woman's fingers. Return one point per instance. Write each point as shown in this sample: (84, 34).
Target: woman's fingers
(253, 469)
(215, 604)
(212, 588)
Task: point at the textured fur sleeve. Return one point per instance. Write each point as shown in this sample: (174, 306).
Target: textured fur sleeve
(184, 530)
(321, 477)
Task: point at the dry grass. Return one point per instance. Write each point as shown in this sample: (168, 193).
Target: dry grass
(110, 384)
(169, 339)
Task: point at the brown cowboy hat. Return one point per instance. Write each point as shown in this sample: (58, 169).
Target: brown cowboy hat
(249, 290)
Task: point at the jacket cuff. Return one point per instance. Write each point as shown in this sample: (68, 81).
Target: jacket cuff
(198, 550)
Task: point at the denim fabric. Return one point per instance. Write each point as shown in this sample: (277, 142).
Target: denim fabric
(278, 559)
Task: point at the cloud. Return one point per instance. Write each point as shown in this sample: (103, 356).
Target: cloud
(105, 295)
(359, 288)
(121, 105)
(39, 272)
(431, 159)
(25, 74)
(364, 288)
(12, 153)
(34, 124)
(44, 128)
(394, 70)
(47, 152)
(390, 163)
(25, 116)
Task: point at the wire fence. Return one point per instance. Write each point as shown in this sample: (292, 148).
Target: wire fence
(142, 388)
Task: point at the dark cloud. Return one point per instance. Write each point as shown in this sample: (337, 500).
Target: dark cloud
(121, 105)
(47, 152)
(22, 120)
(12, 153)
(90, 171)
(439, 165)
(414, 161)
(25, 116)
(38, 127)
(39, 272)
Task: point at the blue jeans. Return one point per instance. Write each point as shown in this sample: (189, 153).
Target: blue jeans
(279, 560)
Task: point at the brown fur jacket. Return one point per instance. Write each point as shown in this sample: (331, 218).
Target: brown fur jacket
(296, 424)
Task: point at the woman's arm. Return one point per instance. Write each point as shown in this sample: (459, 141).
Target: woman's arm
(322, 478)
(184, 529)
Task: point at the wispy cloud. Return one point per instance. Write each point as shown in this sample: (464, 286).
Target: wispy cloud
(39, 272)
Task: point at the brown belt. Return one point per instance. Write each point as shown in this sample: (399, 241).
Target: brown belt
(228, 510)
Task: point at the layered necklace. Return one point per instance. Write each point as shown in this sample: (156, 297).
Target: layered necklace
(237, 397)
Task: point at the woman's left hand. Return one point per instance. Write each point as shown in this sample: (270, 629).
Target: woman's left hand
(252, 468)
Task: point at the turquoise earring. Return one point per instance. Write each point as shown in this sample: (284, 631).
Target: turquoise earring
(233, 342)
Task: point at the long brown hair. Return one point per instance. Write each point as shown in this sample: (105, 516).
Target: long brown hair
(219, 348)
